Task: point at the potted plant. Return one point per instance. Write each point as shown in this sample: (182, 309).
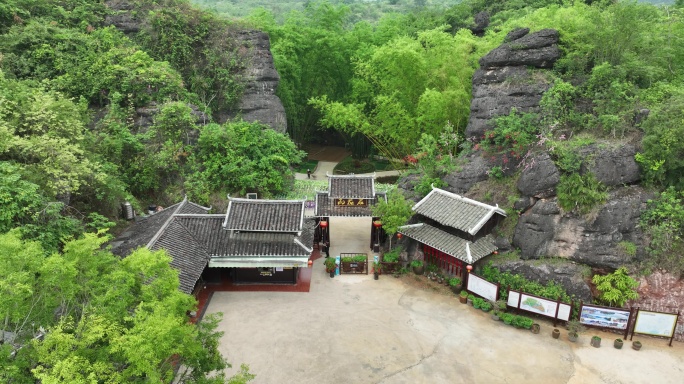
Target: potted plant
(377, 269)
(501, 305)
(595, 341)
(555, 333)
(477, 302)
(495, 315)
(507, 318)
(463, 297)
(418, 267)
(486, 306)
(330, 266)
(360, 261)
(471, 297)
(535, 328)
(574, 328)
(636, 345)
(346, 263)
(618, 343)
(455, 284)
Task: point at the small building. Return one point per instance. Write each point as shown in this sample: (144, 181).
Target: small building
(348, 196)
(452, 230)
(256, 241)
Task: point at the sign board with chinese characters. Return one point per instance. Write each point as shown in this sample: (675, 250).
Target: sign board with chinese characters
(351, 202)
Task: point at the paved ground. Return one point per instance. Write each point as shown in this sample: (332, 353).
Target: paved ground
(352, 329)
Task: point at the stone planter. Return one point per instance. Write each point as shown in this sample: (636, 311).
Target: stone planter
(572, 337)
(595, 342)
(618, 343)
(636, 345)
(555, 333)
(418, 270)
(535, 328)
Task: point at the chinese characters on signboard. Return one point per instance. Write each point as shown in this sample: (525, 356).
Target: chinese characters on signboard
(350, 202)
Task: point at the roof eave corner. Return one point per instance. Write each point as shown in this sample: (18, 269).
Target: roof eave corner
(418, 204)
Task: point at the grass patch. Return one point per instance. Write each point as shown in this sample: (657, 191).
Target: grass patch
(308, 164)
(356, 166)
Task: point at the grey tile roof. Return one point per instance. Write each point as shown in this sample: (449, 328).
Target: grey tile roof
(456, 211)
(265, 215)
(325, 206)
(448, 243)
(351, 186)
(190, 207)
(188, 256)
(219, 242)
(142, 231)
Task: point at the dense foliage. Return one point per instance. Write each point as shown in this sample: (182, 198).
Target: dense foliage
(551, 291)
(84, 315)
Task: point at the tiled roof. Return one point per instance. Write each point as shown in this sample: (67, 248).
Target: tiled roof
(264, 215)
(145, 228)
(456, 211)
(218, 242)
(190, 207)
(448, 243)
(325, 206)
(188, 256)
(351, 186)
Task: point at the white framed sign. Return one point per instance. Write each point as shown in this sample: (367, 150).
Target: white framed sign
(564, 311)
(655, 323)
(513, 298)
(604, 317)
(538, 305)
(482, 287)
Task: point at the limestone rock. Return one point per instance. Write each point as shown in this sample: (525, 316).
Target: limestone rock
(504, 80)
(122, 17)
(611, 167)
(544, 231)
(481, 23)
(259, 101)
(473, 169)
(567, 274)
(540, 177)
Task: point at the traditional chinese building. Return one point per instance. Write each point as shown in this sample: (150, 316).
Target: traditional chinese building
(452, 230)
(348, 195)
(264, 241)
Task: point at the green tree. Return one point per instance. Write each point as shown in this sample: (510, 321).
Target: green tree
(394, 212)
(616, 288)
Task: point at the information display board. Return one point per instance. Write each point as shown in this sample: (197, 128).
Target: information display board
(538, 305)
(513, 298)
(655, 323)
(482, 287)
(564, 311)
(604, 317)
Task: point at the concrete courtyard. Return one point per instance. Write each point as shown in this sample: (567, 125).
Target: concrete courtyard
(353, 329)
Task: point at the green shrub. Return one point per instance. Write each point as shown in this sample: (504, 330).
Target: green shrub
(416, 263)
(454, 281)
(359, 258)
(515, 132)
(663, 220)
(496, 172)
(616, 288)
(580, 193)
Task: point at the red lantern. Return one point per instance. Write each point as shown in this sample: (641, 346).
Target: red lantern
(496, 252)
(399, 235)
(469, 268)
(324, 224)
(310, 263)
(377, 224)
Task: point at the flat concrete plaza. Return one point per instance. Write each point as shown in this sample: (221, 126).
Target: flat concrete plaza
(353, 329)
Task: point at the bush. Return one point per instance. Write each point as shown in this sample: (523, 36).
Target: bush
(616, 288)
(454, 281)
(580, 193)
(515, 133)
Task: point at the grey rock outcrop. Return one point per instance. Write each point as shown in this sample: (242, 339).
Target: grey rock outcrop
(568, 274)
(473, 169)
(481, 22)
(123, 18)
(611, 166)
(259, 101)
(504, 80)
(593, 240)
(540, 177)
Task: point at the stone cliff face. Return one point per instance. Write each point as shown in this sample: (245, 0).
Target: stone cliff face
(576, 243)
(506, 78)
(259, 102)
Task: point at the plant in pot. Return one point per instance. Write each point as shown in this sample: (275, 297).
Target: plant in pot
(535, 328)
(377, 269)
(486, 306)
(477, 302)
(418, 267)
(463, 297)
(507, 318)
(346, 263)
(360, 261)
(471, 297)
(636, 345)
(618, 343)
(595, 341)
(455, 285)
(501, 305)
(495, 315)
(330, 266)
(574, 328)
